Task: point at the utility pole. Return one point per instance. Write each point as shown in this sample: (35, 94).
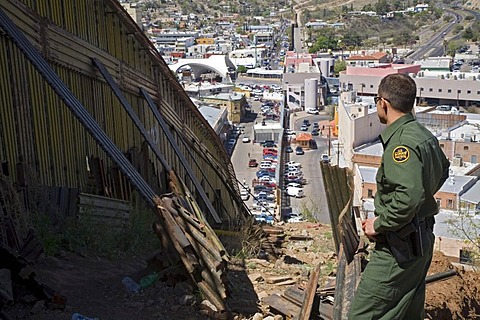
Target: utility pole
(329, 141)
(255, 37)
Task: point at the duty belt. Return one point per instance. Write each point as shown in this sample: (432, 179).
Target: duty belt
(426, 224)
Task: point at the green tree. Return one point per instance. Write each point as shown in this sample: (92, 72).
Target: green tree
(368, 7)
(452, 47)
(468, 34)
(382, 7)
(340, 65)
(241, 69)
(465, 225)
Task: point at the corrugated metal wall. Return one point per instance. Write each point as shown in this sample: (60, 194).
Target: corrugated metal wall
(37, 130)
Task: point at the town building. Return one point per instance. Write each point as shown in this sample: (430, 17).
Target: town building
(365, 60)
(436, 87)
(234, 103)
(302, 78)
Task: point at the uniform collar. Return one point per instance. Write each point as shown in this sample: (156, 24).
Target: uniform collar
(391, 129)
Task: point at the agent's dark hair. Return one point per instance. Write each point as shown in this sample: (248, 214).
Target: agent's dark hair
(400, 90)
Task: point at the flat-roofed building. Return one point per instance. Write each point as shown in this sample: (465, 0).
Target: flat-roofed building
(234, 102)
(448, 197)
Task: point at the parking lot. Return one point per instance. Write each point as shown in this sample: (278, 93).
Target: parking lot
(313, 199)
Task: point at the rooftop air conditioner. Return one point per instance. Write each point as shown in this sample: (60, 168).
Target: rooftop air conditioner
(457, 161)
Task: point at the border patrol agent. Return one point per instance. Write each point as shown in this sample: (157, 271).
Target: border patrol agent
(412, 170)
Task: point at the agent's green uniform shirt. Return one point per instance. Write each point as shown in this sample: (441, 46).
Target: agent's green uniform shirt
(413, 169)
(409, 175)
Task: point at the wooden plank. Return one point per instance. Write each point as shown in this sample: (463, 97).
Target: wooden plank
(108, 214)
(282, 305)
(277, 279)
(105, 202)
(310, 294)
(295, 295)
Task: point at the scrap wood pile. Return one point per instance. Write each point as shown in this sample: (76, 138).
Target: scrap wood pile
(292, 283)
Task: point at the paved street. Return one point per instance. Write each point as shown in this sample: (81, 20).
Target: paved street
(315, 199)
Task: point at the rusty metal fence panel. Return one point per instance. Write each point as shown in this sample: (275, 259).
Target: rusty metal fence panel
(38, 131)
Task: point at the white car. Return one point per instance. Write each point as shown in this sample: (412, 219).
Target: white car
(312, 111)
(294, 185)
(295, 217)
(290, 132)
(246, 139)
(295, 220)
(267, 179)
(244, 195)
(293, 164)
(294, 192)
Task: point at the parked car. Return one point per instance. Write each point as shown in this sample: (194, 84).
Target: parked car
(246, 139)
(265, 165)
(270, 184)
(290, 132)
(295, 219)
(262, 173)
(294, 192)
(261, 188)
(269, 144)
(312, 111)
(266, 178)
(294, 184)
(252, 163)
(299, 150)
(325, 158)
(269, 150)
(244, 195)
(288, 149)
(293, 164)
(294, 174)
(264, 218)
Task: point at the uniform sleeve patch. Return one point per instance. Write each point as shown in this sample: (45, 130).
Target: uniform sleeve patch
(400, 154)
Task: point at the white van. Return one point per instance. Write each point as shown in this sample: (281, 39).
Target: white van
(295, 192)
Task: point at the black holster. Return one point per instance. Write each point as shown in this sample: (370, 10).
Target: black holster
(406, 243)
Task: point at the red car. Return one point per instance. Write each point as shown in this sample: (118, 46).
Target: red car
(270, 151)
(252, 163)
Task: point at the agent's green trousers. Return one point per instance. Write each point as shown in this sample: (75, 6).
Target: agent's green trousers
(389, 291)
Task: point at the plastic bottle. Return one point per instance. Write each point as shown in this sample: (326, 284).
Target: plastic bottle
(130, 285)
(78, 316)
(147, 281)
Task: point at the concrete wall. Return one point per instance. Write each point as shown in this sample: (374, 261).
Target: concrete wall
(468, 151)
(356, 130)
